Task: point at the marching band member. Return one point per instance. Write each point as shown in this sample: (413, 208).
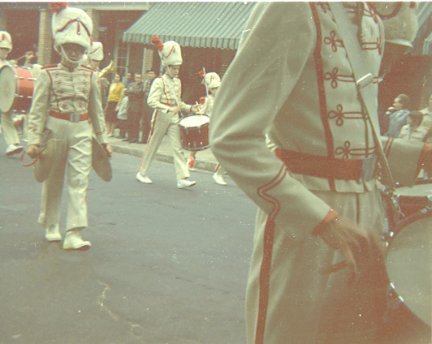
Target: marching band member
(65, 98)
(316, 273)
(165, 98)
(212, 82)
(95, 57)
(9, 130)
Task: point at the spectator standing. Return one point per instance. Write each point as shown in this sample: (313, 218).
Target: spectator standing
(114, 97)
(135, 93)
(427, 118)
(29, 58)
(129, 79)
(397, 115)
(413, 131)
(147, 110)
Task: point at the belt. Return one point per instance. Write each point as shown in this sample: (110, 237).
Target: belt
(324, 167)
(70, 116)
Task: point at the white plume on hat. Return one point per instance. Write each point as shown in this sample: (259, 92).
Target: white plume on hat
(212, 80)
(95, 52)
(5, 40)
(72, 25)
(169, 52)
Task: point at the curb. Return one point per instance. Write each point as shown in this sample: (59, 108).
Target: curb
(201, 164)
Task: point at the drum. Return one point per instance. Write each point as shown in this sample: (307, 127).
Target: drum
(16, 89)
(194, 132)
(413, 198)
(409, 270)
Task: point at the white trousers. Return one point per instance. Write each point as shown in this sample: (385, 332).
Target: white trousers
(165, 123)
(10, 133)
(291, 301)
(74, 152)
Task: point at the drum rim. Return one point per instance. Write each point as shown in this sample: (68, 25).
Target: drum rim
(420, 214)
(423, 212)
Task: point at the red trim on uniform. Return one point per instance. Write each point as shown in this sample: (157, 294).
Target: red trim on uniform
(388, 146)
(264, 281)
(49, 66)
(321, 89)
(265, 270)
(66, 115)
(88, 67)
(331, 216)
(155, 116)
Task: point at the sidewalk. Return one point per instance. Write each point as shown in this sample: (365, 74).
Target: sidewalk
(205, 159)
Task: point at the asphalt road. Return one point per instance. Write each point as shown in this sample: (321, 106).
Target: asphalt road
(166, 266)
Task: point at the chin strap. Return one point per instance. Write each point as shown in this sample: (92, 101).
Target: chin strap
(66, 58)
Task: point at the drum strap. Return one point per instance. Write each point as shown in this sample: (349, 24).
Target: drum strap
(364, 79)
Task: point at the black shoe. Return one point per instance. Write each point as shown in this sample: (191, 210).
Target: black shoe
(133, 141)
(125, 139)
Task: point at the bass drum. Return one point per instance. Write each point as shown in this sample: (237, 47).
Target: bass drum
(16, 89)
(409, 270)
(8, 88)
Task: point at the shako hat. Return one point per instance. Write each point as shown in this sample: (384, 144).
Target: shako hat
(95, 52)
(70, 25)
(169, 52)
(5, 40)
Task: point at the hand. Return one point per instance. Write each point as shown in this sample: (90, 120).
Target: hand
(195, 108)
(355, 245)
(108, 149)
(33, 151)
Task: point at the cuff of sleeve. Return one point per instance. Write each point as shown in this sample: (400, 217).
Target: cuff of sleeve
(331, 216)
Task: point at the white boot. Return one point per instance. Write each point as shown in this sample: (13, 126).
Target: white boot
(73, 241)
(52, 233)
(219, 179)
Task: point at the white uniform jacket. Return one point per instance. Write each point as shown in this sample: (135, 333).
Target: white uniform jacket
(293, 68)
(165, 93)
(60, 89)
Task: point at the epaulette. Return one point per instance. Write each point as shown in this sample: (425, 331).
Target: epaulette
(49, 66)
(88, 67)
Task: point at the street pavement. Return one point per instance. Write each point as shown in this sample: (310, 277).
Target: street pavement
(167, 266)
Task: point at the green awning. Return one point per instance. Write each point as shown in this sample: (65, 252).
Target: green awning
(192, 24)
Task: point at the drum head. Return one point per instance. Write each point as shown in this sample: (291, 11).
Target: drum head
(409, 265)
(194, 121)
(8, 87)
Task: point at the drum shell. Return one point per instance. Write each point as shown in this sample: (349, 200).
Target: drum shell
(194, 137)
(25, 85)
(412, 199)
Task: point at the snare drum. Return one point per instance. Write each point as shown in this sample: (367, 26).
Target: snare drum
(194, 132)
(16, 89)
(409, 270)
(413, 198)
